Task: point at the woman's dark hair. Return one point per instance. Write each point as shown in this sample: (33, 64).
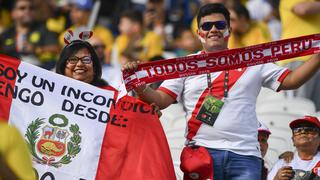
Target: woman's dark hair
(241, 10)
(70, 49)
(213, 8)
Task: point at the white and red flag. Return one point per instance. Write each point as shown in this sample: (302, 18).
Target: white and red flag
(76, 131)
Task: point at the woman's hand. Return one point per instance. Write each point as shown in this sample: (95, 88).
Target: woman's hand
(157, 109)
(284, 173)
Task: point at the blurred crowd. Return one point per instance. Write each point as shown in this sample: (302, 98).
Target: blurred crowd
(148, 30)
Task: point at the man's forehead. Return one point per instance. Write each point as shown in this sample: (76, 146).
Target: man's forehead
(213, 17)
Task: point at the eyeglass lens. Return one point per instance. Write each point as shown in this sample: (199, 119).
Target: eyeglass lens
(84, 60)
(309, 130)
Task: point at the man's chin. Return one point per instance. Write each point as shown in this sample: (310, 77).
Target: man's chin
(216, 47)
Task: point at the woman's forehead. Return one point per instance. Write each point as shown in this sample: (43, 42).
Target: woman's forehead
(82, 51)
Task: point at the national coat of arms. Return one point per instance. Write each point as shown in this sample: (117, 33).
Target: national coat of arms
(53, 143)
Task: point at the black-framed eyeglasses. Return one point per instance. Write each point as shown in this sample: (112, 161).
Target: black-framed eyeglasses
(306, 130)
(207, 26)
(75, 59)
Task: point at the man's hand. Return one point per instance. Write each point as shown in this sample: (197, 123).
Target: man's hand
(132, 66)
(147, 94)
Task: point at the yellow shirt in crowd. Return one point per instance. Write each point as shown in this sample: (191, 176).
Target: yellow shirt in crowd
(151, 44)
(14, 150)
(294, 25)
(258, 33)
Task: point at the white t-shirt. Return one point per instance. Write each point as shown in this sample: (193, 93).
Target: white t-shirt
(296, 163)
(236, 126)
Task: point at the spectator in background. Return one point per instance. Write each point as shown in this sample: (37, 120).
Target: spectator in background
(268, 12)
(230, 135)
(298, 18)
(15, 159)
(27, 39)
(186, 42)
(258, 9)
(146, 44)
(5, 19)
(306, 139)
(263, 136)
(80, 15)
(246, 32)
(154, 17)
(58, 15)
(110, 73)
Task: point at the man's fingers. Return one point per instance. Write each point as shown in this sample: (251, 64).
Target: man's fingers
(130, 66)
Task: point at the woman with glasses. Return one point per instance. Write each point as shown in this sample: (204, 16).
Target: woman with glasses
(78, 60)
(306, 160)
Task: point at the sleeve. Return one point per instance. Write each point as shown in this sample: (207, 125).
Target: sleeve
(173, 87)
(275, 168)
(273, 75)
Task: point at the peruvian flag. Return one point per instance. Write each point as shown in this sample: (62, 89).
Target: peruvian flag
(76, 131)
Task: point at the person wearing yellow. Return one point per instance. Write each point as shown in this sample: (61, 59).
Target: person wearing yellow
(79, 15)
(134, 41)
(5, 20)
(299, 18)
(246, 32)
(15, 160)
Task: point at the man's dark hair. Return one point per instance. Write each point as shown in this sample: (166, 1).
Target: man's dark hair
(70, 49)
(213, 8)
(133, 15)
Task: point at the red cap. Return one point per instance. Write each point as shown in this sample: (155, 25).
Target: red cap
(196, 163)
(306, 119)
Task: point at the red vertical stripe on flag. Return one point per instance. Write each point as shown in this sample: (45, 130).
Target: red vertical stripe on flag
(134, 145)
(8, 76)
